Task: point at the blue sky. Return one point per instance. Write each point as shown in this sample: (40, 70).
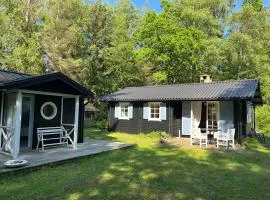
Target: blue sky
(155, 4)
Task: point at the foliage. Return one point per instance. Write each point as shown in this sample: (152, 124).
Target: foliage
(62, 36)
(263, 119)
(102, 124)
(107, 47)
(147, 171)
(159, 78)
(20, 49)
(98, 30)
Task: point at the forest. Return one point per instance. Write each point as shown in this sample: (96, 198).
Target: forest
(106, 47)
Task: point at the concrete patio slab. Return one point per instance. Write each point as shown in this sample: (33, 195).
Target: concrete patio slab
(37, 158)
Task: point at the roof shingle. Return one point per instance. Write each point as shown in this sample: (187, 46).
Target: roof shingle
(242, 89)
(6, 76)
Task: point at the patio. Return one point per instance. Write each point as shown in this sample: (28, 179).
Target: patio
(38, 158)
(184, 142)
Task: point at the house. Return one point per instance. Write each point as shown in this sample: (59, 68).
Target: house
(89, 114)
(177, 109)
(30, 102)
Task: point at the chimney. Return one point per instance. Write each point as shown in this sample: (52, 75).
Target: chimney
(205, 78)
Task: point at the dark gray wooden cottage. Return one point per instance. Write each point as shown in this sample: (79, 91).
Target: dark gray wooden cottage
(30, 102)
(176, 109)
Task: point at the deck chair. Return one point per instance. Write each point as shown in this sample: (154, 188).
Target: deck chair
(224, 138)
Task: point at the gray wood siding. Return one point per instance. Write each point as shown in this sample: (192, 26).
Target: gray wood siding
(186, 117)
(39, 121)
(123, 125)
(139, 125)
(226, 120)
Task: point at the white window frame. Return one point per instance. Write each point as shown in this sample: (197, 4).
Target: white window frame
(149, 117)
(217, 113)
(121, 105)
(52, 116)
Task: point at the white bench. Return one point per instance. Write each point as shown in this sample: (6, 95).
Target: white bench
(56, 136)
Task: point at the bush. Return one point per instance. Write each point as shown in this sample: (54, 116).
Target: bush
(102, 124)
(263, 119)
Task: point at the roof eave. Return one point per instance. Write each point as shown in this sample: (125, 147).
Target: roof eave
(46, 78)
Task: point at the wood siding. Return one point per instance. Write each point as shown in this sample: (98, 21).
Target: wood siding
(56, 86)
(139, 125)
(226, 116)
(232, 113)
(186, 117)
(39, 121)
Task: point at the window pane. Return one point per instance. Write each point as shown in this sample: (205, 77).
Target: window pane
(154, 111)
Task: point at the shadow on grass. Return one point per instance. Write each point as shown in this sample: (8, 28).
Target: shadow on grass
(151, 172)
(98, 134)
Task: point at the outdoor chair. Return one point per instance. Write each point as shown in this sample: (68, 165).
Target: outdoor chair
(203, 139)
(224, 138)
(199, 137)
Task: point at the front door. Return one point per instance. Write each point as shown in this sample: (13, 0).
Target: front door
(26, 137)
(212, 115)
(177, 118)
(205, 115)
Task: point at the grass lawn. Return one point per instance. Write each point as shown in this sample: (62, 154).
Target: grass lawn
(148, 171)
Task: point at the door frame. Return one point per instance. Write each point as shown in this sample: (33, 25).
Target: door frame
(31, 119)
(207, 102)
(218, 112)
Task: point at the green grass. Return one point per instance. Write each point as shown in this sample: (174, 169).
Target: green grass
(148, 171)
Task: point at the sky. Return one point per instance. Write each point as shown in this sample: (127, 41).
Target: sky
(155, 4)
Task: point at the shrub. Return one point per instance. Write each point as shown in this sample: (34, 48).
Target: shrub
(263, 119)
(102, 124)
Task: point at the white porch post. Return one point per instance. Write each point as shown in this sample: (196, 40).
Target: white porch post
(17, 125)
(2, 111)
(76, 126)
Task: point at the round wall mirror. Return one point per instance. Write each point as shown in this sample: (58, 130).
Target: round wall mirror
(48, 110)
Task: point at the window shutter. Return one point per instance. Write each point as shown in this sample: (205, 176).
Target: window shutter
(163, 111)
(146, 111)
(130, 111)
(117, 111)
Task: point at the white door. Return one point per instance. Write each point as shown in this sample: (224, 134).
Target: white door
(212, 115)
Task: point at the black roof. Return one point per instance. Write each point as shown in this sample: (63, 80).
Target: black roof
(6, 76)
(226, 90)
(13, 80)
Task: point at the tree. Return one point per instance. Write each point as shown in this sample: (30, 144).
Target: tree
(246, 53)
(170, 47)
(97, 33)
(20, 49)
(62, 36)
(123, 68)
(257, 4)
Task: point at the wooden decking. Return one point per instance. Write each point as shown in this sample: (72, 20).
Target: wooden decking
(37, 158)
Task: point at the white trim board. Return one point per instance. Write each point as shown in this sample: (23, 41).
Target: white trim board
(49, 93)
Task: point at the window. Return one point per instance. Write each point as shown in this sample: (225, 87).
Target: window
(212, 116)
(88, 114)
(48, 110)
(154, 111)
(124, 111)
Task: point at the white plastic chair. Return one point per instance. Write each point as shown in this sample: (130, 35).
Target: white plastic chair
(203, 139)
(198, 136)
(195, 135)
(224, 138)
